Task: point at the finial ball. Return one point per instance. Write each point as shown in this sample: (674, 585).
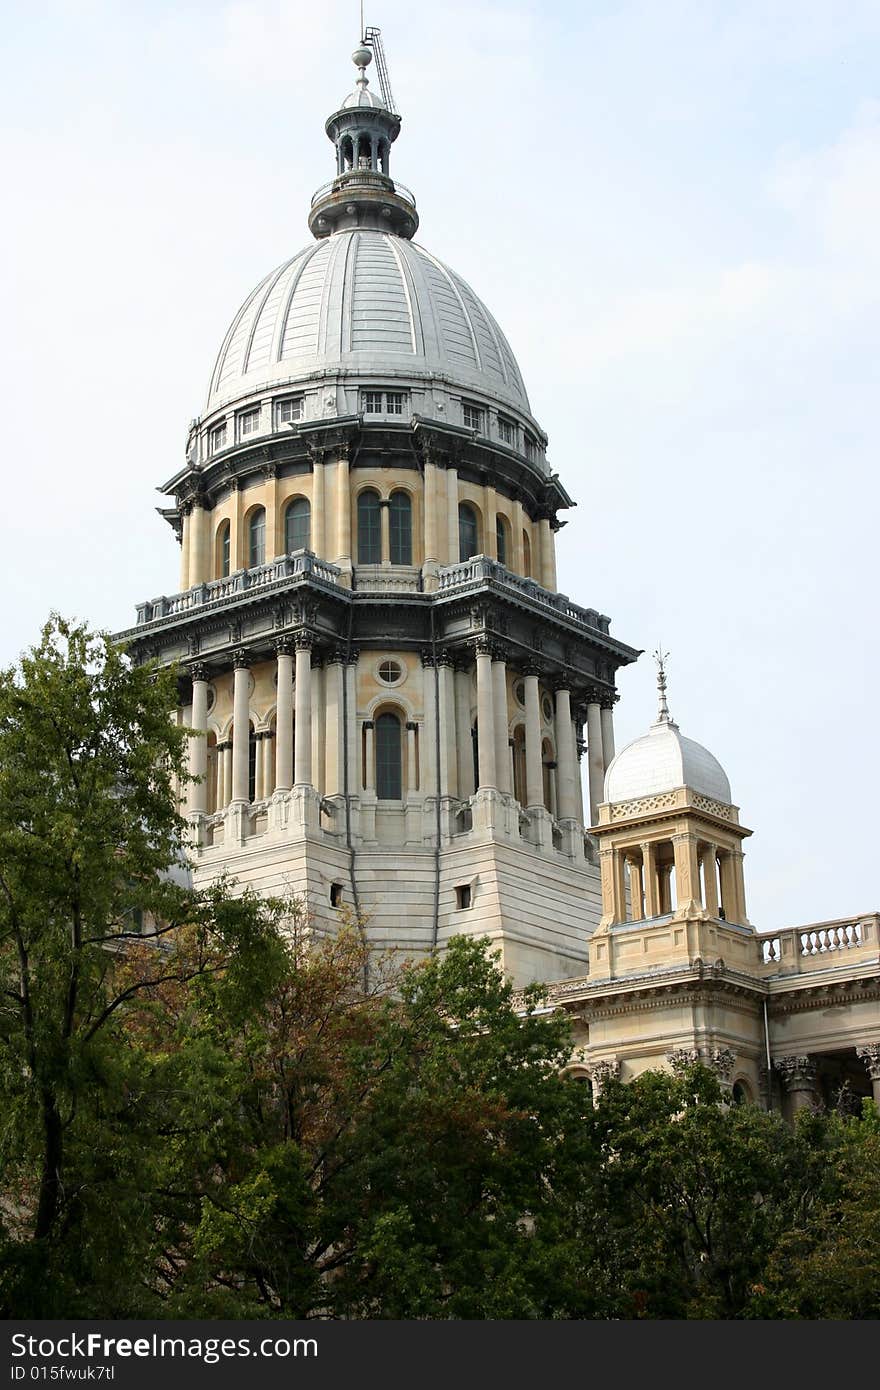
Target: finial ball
(362, 56)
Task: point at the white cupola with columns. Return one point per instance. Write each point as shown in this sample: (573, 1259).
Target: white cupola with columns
(669, 835)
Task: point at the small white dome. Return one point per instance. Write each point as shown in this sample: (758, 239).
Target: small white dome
(662, 760)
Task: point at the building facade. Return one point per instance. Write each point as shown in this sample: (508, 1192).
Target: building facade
(396, 710)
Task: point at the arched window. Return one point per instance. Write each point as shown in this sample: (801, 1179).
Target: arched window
(501, 540)
(527, 555)
(401, 528)
(468, 532)
(223, 552)
(297, 525)
(257, 537)
(389, 759)
(369, 529)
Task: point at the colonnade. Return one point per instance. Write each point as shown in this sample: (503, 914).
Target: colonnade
(665, 874)
(317, 726)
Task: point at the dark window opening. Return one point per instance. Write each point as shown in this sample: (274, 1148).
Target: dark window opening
(462, 895)
(389, 759)
(297, 525)
(401, 528)
(369, 529)
(468, 532)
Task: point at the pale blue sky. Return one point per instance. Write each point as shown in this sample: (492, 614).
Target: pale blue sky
(673, 209)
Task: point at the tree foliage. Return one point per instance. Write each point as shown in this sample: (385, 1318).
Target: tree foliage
(206, 1111)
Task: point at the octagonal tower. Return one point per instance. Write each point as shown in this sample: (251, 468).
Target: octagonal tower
(391, 690)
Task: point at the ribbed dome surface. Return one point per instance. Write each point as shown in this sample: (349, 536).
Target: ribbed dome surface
(662, 760)
(365, 301)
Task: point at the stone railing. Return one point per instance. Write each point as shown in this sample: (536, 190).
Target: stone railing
(301, 565)
(353, 179)
(390, 579)
(799, 948)
(480, 568)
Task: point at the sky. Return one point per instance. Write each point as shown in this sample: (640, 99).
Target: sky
(672, 208)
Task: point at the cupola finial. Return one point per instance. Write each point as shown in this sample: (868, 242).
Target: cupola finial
(661, 657)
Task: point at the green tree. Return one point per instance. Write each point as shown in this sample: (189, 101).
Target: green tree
(91, 849)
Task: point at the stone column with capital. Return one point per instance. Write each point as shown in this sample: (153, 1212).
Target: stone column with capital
(464, 747)
(198, 745)
(501, 718)
(199, 545)
(485, 717)
(565, 756)
(302, 756)
(547, 555)
(185, 512)
(343, 515)
(607, 703)
(448, 782)
(687, 873)
(595, 756)
(318, 541)
(429, 739)
(412, 759)
(452, 515)
(800, 1079)
(369, 779)
(284, 718)
(634, 865)
(710, 879)
(651, 883)
(431, 511)
(241, 726)
(534, 767)
(385, 528)
(869, 1054)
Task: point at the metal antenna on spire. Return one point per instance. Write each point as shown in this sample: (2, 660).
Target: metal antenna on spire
(661, 657)
(373, 39)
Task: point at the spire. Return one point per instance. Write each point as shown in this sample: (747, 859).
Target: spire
(661, 657)
(363, 129)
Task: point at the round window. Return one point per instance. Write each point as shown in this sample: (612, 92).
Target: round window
(390, 672)
(519, 692)
(212, 698)
(547, 707)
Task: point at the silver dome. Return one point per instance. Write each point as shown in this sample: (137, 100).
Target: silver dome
(362, 96)
(663, 760)
(365, 302)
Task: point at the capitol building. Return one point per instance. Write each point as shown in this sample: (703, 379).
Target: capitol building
(400, 716)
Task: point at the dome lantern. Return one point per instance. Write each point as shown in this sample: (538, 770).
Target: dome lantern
(363, 194)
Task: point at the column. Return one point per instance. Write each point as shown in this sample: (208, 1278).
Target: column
(199, 545)
(728, 890)
(351, 720)
(739, 885)
(412, 759)
(319, 713)
(664, 885)
(259, 786)
(385, 524)
(687, 871)
(431, 509)
(463, 743)
(800, 1079)
(870, 1055)
(318, 537)
(595, 758)
(619, 887)
(485, 716)
(227, 775)
(565, 756)
(634, 864)
(489, 538)
(284, 718)
(651, 884)
(198, 746)
(428, 740)
(274, 541)
(548, 555)
(607, 721)
(517, 539)
(333, 765)
(369, 780)
(184, 545)
(236, 544)
(452, 515)
(241, 726)
(710, 880)
(267, 750)
(534, 771)
(501, 720)
(580, 748)
(448, 784)
(343, 513)
(302, 723)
